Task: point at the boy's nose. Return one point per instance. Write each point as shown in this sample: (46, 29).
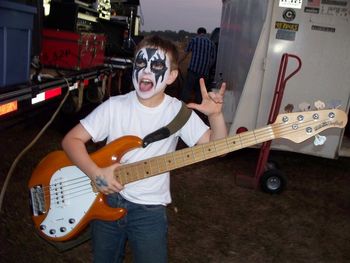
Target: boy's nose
(148, 69)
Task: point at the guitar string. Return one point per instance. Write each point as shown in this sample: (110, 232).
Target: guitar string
(250, 138)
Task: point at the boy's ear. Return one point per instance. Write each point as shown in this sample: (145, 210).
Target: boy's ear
(172, 76)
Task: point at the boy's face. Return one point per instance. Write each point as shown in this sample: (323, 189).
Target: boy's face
(151, 71)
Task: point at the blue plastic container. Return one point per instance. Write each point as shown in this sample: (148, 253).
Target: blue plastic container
(16, 25)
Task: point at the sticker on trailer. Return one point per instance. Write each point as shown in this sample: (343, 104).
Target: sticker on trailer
(312, 10)
(313, 3)
(8, 107)
(323, 28)
(289, 14)
(46, 95)
(74, 86)
(286, 26)
(335, 2)
(285, 35)
(335, 11)
(291, 3)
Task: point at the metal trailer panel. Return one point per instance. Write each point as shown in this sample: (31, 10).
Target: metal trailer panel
(319, 33)
(241, 25)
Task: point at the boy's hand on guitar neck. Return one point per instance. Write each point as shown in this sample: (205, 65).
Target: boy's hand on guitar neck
(105, 181)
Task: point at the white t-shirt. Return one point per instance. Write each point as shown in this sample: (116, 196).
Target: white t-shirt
(125, 115)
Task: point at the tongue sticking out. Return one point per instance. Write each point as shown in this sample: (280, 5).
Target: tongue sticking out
(146, 85)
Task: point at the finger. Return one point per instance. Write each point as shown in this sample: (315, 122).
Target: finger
(216, 97)
(117, 187)
(107, 192)
(203, 88)
(222, 89)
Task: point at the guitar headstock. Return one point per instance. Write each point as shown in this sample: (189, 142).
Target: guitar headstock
(300, 126)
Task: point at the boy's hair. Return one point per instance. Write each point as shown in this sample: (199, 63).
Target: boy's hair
(166, 45)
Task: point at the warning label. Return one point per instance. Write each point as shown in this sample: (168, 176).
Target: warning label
(323, 28)
(285, 35)
(287, 26)
(312, 10)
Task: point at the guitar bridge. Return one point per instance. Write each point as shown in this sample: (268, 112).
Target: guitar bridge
(37, 200)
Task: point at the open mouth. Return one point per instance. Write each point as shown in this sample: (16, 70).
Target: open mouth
(146, 85)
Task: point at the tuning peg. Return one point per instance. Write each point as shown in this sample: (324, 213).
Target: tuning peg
(304, 106)
(320, 105)
(319, 140)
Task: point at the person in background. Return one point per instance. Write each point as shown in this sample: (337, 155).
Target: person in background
(203, 53)
(140, 112)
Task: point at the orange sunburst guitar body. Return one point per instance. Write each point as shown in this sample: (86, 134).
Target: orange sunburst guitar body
(64, 202)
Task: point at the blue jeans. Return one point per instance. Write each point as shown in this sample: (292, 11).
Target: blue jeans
(145, 227)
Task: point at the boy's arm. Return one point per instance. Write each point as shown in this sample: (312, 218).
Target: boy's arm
(74, 146)
(217, 126)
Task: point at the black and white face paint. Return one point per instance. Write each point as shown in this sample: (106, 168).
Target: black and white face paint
(151, 70)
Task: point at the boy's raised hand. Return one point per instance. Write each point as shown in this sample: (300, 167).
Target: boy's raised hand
(211, 102)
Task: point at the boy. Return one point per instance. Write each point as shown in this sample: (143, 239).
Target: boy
(139, 113)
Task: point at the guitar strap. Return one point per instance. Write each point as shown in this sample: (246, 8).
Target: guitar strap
(176, 124)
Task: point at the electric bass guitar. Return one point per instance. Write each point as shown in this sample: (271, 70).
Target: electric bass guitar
(63, 201)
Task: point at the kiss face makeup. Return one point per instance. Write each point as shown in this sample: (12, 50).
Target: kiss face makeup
(151, 70)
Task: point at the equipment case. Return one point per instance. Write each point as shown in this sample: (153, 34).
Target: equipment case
(16, 25)
(70, 50)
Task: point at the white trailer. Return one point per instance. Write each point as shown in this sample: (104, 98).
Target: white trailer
(254, 36)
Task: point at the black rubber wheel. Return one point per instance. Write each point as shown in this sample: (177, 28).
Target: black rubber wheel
(273, 181)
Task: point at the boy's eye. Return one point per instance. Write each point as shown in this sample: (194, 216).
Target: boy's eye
(157, 65)
(140, 63)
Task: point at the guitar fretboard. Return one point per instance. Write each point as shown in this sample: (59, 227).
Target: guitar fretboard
(167, 162)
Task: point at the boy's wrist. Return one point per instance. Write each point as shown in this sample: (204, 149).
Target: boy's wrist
(215, 115)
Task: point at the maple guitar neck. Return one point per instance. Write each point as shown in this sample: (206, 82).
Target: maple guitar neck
(297, 127)
(167, 162)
